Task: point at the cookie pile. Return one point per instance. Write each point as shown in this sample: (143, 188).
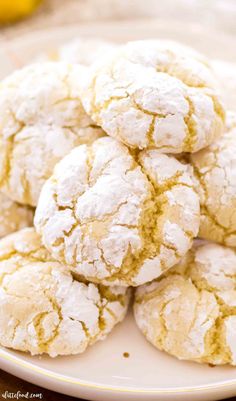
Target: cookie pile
(128, 155)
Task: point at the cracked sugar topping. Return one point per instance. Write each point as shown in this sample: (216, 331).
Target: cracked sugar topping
(81, 51)
(45, 310)
(13, 216)
(41, 120)
(215, 178)
(117, 217)
(155, 94)
(191, 312)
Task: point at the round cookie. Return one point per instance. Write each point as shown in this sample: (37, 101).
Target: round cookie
(155, 94)
(215, 177)
(191, 312)
(13, 216)
(41, 120)
(81, 51)
(116, 217)
(43, 308)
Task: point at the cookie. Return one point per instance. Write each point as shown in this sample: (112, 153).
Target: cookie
(41, 120)
(155, 94)
(215, 181)
(117, 217)
(191, 312)
(81, 51)
(13, 216)
(43, 308)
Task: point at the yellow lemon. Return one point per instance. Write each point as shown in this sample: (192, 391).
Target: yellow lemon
(12, 10)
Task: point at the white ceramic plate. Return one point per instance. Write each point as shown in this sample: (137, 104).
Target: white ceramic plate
(103, 373)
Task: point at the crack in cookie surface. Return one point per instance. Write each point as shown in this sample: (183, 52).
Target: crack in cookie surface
(116, 216)
(39, 124)
(155, 94)
(43, 308)
(215, 175)
(191, 311)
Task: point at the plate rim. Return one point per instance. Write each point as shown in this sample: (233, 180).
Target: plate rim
(49, 374)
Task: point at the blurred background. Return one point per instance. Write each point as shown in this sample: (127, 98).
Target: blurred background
(207, 25)
(220, 14)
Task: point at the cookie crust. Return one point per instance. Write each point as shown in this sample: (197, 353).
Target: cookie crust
(43, 308)
(191, 312)
(117, 217)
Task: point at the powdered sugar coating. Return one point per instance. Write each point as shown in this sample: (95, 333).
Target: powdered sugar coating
(155, 94)
(45, 310)
(215, 176)
(41, 120)
(13, 216)
(116, 217)
(81, 51)
(190, 313)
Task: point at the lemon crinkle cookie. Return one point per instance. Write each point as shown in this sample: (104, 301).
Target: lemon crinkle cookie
(155, 94)
(45, 310)
(41, 120)
(81, 51)
(215, 179)
(191, 312)
(116, 217)
(13, 216)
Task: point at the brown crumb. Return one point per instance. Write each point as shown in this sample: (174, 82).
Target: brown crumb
(126, 355)
(211, 365)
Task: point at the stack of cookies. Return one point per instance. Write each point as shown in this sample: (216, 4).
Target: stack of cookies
(128, 155)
